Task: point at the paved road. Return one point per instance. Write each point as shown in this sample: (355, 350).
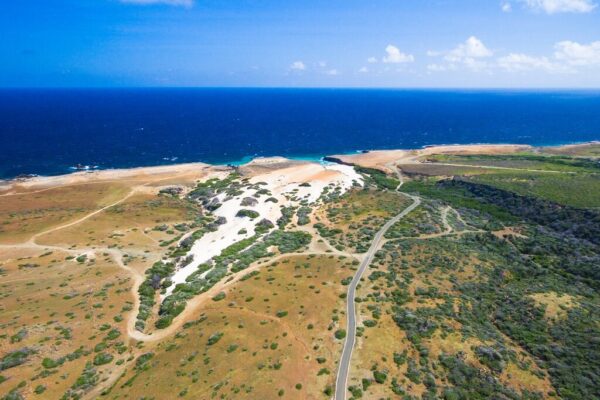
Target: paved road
(344, 365)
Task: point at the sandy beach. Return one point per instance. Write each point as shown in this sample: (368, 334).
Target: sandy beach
(294, 170)
(383, 159)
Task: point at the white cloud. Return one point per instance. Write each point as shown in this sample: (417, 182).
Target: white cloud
(471, 54)
(180, 3)
(577, 54)
(560, 6)
(363, 70)
(436, 68)
(332, 72)
(569, 58)
(517, 62)
(506, 7)
(371, 60)
(466, 52)
(298, 66)
(395, 56)
(322, 64)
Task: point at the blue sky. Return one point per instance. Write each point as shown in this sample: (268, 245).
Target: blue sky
(310, 43)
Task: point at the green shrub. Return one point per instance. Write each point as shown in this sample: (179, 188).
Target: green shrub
(232, 347)
(214, 338)
(142, 362)
(247, 213)
(15, 358)
(220, 296)
(113, 334)
(379, 178)
(340, 334)
(39, 389)
(379, 376)
(103, 358)
(49, 363)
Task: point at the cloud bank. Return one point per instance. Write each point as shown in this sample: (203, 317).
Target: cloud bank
(577, 54)
(568, 57)
(560, 6)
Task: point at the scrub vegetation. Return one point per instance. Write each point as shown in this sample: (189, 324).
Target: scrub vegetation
(502, 302)
(489, 288)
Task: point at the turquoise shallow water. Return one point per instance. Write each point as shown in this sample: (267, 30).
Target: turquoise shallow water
(49, 131)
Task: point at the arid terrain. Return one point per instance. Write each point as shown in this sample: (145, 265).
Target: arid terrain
(474, 271)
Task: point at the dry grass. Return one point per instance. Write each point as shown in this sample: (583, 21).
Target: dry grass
(276, 352)
(441, 170)
(128, 224)
(47, 301)
(26, 214)
(56, 304)
(555, 305)
(578, 150)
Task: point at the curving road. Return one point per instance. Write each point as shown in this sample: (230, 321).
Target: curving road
(344, 365)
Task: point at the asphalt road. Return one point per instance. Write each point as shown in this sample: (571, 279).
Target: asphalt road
(344, 365)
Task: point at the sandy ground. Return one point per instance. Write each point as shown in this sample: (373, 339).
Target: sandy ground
(375, 158)
(589, 149)
(148, 174)
(382, 159)
(284, 185)
(475, 149)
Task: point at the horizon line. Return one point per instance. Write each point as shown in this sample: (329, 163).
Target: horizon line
(390, 88)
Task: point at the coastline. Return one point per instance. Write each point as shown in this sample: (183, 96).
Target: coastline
(377, 157)
(117, 130)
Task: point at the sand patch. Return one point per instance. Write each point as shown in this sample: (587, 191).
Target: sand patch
(146, 174)
(374, 159)
(290, 186)
(474, 149)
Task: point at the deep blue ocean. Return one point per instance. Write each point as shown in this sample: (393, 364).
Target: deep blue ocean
(48, 131)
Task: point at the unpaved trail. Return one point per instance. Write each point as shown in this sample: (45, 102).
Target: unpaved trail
(551, 171)
(31, 245)
(138, 278)
(460, 218)
(436, 235)
(135, 189)
(444, 215)
(84, 218)
(192, 305)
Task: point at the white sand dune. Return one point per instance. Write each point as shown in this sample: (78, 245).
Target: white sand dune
(284, 185)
